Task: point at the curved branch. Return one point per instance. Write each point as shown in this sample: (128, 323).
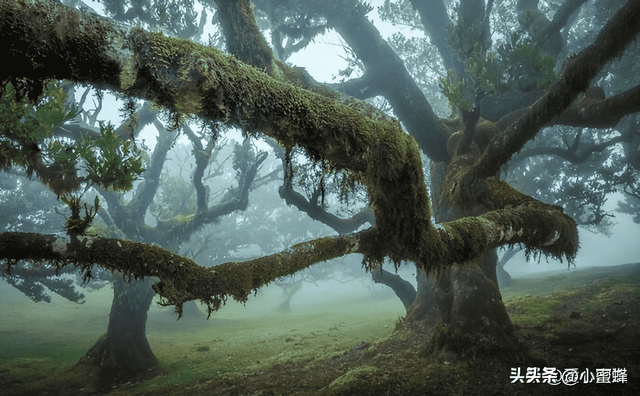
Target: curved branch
(176, 231)
(246, 31)
(188, 78)
(561, 17)
(181, 279)
(393, 80)
(402, 288)
(542, 227)
(362, 88)
(291, 197)
(574, 79)
(594, 111)
(384, 69)
(192, 79)
(342, 226)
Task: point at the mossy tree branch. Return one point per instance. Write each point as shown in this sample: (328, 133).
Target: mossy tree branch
(188, 78)
(181, 279)
(192, 79)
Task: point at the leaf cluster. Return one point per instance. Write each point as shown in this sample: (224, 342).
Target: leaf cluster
(24, 126)
(524, 65)
(110, 161)
(28, 140)
(517, 63)
(76, 224)
(400, 13)
(177, 17)
(243, 156)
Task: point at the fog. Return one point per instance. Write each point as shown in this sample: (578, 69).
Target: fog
(596, 249)
(322, 59)
(331, 306)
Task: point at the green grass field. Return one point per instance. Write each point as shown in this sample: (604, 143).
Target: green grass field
(39, 342)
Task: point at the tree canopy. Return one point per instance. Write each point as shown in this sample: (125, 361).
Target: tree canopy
(468, 126)
(45, 40)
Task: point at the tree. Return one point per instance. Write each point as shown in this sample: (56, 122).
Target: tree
(457, 300)
(124, 350)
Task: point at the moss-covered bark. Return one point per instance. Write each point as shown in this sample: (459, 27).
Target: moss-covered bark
(45, 40)
(192, 79)
(181, 279)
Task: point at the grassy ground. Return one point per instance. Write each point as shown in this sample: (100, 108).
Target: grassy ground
(584, 319)
(41, 341)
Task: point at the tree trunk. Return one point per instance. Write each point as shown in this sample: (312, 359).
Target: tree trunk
(191, 312)
(285, 307)
(290, 289)
(461, 308)
(504, 279)
(124, 352)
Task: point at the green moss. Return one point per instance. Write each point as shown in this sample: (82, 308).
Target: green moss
(531, 310)
(358, 378)
(376, 152)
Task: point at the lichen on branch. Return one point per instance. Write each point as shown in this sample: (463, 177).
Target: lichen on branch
(180, 279)
(189, 78)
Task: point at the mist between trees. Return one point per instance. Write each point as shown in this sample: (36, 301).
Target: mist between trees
(540, 129)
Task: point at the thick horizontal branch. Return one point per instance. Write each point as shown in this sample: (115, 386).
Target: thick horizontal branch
(542, 228)
(181, 279)
(42, 40)
(536, 225)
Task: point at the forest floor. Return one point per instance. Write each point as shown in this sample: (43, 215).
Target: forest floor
(587, 320)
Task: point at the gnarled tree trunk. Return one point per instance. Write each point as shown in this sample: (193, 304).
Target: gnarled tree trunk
(461, 307)
(124, 352)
